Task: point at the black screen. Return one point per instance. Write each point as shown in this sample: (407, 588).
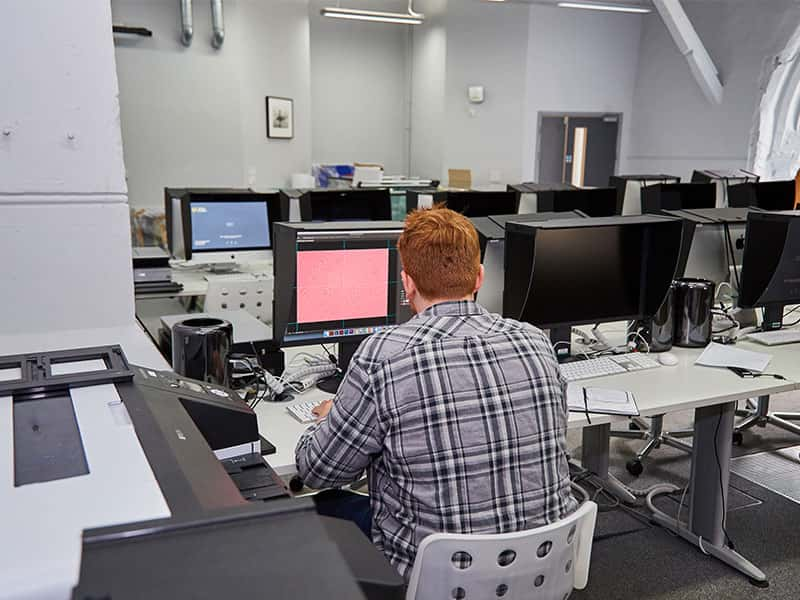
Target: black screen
(483, 204)
(346, 205)
(775, 195)
(569, 273)
(678, 196)
(771, 262)
(597, 202)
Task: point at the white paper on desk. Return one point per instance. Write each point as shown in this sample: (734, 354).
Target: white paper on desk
(719, 355)
(600, 401)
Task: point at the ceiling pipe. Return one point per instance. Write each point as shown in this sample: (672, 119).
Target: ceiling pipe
(187, 31)
(217, 24)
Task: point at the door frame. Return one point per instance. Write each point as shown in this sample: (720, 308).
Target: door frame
(550, 113)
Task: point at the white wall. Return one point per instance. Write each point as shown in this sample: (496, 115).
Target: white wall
(579, 61)
(486, 45)
(531, 59)
(675, 129)
(429, 65)
(63, 213)
(196, 116)
(360, 82)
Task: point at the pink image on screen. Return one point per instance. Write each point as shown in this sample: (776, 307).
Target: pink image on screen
(335, 285)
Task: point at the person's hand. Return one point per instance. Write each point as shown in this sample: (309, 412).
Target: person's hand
(322, 410)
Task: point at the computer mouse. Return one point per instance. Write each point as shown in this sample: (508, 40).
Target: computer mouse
(668, 359)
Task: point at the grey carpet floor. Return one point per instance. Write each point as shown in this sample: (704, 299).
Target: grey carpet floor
(634, 559)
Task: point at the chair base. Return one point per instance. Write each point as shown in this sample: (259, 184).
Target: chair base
(655, 436)
(757, 415)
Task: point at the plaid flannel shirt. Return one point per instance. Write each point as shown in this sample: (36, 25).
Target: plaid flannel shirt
(460, 418)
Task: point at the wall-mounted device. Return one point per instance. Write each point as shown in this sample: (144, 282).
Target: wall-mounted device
(476, 94)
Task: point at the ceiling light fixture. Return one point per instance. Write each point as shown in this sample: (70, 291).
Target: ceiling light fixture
(354, 14)
(606, 7)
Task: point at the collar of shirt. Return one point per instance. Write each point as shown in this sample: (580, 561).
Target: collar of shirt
(456, 308)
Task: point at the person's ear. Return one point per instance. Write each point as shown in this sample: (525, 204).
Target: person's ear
(479, 279)
(408, 285)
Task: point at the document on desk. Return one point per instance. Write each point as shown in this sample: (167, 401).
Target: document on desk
(719, 355)
(601, 401)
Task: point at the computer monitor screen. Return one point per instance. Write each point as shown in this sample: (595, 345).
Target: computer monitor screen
(337, 284)
(569, 272)
(482, 204)
(768, 195)
(346, 205)
(677, 196)
(229, 225)
(771, 264)
(594, 202)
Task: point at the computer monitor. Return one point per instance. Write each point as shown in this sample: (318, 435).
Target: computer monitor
(528, 194)
(595, 202)
(337, 283)
(629, 189)
(227, 228)
(677, 196)
(470, 204)
(346, 205)
(766, 195)
(771, 265)
(577, 271)
(723, 179)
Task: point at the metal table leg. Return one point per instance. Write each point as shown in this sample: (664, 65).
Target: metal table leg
(709, 491)
(594, 458)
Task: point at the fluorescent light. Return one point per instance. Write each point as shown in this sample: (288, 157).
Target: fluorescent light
(606, 7)
(374, 16)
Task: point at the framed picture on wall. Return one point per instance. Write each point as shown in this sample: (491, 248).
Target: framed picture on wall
(280, 118)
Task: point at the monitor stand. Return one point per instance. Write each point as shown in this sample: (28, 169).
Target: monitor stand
(226, 267)
(773, 317)
(346, 351)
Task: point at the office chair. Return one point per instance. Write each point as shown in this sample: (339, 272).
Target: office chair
(654, 435)
(547, 562)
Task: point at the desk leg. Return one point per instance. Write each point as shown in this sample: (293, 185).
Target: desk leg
(594, 458)
(711, 457)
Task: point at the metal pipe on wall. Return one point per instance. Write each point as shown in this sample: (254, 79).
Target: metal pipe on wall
(187, 31)
(217, 24)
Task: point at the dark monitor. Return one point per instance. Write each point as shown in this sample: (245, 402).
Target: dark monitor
(678, 196)
(629, 189)
(337, 283)
(768, 195)
(482, 204)
(220, 227)
(346, 205)
(492, 239)
(595, 202)
(577, 271)
(771, 265)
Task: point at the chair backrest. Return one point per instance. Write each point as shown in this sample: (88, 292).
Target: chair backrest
(544, 563)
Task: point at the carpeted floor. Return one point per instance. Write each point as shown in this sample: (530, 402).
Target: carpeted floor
(634, 559)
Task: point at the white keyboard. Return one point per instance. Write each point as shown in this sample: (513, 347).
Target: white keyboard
(607, 365)
(302, 412)
(776, 338)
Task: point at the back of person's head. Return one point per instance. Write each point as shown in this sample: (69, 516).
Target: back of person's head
(440, 251)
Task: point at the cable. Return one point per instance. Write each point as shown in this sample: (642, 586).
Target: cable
(719, 472)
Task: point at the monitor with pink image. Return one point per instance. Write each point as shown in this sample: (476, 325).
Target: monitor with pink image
(337, 283)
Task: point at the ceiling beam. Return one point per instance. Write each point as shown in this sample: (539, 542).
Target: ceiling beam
(691, 46)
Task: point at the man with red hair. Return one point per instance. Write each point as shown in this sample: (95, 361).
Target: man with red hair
(458, 415)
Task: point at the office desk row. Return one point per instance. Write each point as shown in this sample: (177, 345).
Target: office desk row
(712, 393)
